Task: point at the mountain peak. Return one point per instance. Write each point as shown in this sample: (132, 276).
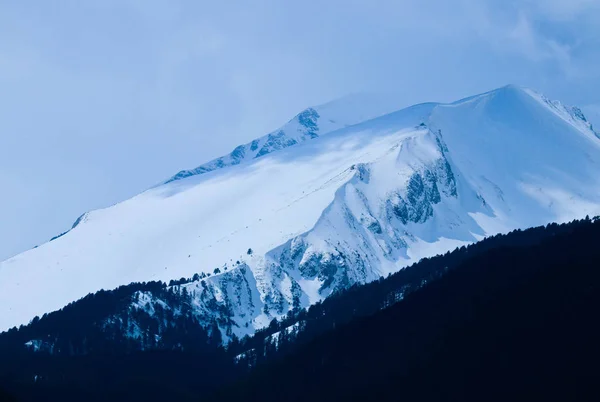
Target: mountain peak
(346, 111)
(306, 125)
(341, 194)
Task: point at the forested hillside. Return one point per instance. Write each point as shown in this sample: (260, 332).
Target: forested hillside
(512, 323)
(499, 319)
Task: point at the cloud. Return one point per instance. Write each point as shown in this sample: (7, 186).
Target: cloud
(561, 10)
(539, 48)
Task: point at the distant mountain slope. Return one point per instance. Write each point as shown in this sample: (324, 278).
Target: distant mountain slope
(287, 229)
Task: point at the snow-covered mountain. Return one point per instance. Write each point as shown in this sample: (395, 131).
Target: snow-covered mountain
(338, 196)
(306, 125)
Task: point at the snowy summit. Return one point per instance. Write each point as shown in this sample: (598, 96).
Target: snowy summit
(343, 193)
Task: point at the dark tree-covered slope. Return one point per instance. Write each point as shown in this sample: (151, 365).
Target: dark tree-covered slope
(513, 323)
(511, 317)
(364, 300)
(103, 347)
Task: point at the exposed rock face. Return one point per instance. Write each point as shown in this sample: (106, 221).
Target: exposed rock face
(305, 126)
(372, 227)
(317, 206)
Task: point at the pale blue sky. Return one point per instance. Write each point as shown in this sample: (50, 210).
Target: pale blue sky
(102, 99)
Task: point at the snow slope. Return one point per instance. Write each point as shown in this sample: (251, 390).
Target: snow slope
(346, 207)
(306, 125)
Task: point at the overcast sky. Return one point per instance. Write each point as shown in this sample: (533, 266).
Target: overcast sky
(101, 99)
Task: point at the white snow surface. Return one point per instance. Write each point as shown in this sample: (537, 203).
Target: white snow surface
(370, 197)
(306, 125)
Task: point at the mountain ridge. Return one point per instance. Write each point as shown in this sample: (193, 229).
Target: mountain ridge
(306, 125)
(342, 208)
